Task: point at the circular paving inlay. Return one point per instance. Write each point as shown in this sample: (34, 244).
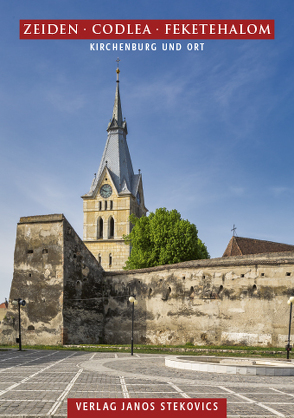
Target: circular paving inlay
(233, 365)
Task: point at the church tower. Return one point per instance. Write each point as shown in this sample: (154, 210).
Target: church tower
(116, 193)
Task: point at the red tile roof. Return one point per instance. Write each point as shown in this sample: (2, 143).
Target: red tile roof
(245, 246)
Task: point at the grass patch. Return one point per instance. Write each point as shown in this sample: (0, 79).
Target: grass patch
(187, 349)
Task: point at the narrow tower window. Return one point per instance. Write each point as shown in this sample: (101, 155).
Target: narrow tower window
(99, 259)
(100, 228)
(105, 205)
(110, 260)
(111, 205)
(111, 227)
(100, 205)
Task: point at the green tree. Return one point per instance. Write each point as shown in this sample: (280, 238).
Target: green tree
(161, 238)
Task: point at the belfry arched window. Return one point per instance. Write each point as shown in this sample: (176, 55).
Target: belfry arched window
(100, 228)
(111, 227)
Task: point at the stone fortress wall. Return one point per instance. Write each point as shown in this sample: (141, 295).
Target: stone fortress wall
(71, 300)
(233, 300)
(58, 277)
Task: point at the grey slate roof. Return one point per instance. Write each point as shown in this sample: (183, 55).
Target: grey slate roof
(116, 156)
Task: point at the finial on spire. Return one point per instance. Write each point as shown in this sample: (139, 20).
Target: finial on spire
(117, 70)
(234, 231)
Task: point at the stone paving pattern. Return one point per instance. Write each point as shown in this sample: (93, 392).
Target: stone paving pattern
(37, 383)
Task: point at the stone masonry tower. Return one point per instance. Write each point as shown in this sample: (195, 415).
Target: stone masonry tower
(116, 193)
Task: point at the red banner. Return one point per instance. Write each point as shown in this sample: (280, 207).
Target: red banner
(127, 408)
(147, 29)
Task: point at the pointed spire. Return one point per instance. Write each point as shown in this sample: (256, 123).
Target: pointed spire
(117, 113)
(116, 157)
(117, 118)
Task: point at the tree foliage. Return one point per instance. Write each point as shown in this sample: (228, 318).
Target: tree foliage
(161, 238)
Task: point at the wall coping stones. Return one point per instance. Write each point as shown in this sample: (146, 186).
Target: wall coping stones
(41, 218)
(286, 257)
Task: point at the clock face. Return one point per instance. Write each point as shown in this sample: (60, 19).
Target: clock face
(138, 198)
(106, 190)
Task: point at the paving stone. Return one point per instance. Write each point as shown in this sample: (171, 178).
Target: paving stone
(286, 409)
(200, 390)
(279, 397)
(95, 394)
(249, 389)
(248, 410)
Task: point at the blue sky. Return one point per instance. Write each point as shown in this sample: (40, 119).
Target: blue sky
(211, 131)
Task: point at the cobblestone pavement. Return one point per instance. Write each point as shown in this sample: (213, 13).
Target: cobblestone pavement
(35, 383)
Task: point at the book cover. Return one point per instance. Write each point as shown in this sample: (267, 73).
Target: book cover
(207, 93)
